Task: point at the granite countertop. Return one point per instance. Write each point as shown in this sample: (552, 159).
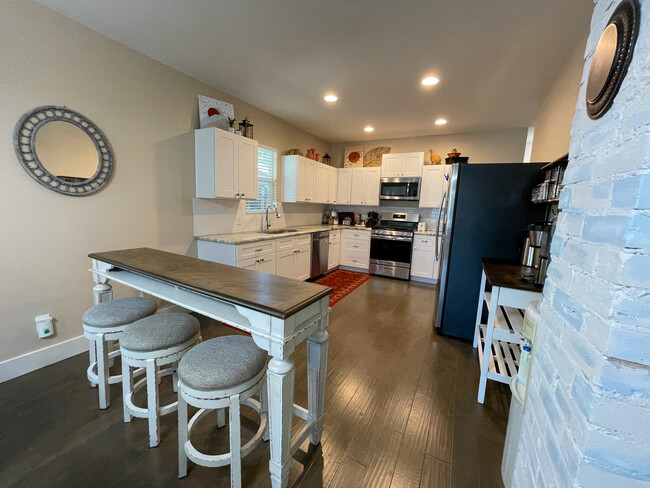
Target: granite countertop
(273, 295)
(256, 236)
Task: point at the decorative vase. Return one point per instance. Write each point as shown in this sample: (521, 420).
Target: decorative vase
(434, 158)
(453, 153)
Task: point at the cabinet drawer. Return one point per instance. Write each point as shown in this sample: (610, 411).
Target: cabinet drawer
(285, 243)
(355, 245)
(355, 234)
(303, 240)
(424, 242)
(254, 250)
(335, 236)
(355, 259)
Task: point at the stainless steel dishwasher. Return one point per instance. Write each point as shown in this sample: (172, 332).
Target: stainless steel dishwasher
(320, 245)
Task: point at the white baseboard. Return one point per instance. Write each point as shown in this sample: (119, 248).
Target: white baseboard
(31, 361)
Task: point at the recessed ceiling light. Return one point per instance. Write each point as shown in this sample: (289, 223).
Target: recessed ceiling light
(441, 122)
(368, 129)
(430, 80)
(331, 98)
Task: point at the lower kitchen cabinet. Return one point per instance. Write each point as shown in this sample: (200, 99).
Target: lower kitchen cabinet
(264, 264)
(294, 263)
(355, 248)
(334, 254)
(424, 266)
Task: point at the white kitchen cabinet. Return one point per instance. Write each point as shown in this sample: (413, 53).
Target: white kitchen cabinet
(303, 263)
(343, 192)
(334, 253)
(225, 165)
(424, 266)
(264, 264)
(402, 164)
(294, 263)
(285, 263)
(365, 186)
(321, 183)
(298, 179)
(433, 178)
(355, 248)
(332, 184)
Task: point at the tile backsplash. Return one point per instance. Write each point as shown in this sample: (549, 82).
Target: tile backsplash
(428, 215)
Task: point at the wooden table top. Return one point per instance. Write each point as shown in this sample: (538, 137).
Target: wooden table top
(273, 295)
(506, 274)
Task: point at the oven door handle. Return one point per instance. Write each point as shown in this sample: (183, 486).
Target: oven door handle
(401, 239)
(442, 202)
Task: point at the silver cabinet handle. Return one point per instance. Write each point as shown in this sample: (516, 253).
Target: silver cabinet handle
(262, 260)
(259, 250)
(257, 261)
(354, 245)
(243, 194)
(236, 195)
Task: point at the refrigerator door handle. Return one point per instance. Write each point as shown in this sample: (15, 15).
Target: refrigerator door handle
(442, 202)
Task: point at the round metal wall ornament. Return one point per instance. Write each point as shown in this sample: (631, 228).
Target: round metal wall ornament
(98, 170)
(612, 57)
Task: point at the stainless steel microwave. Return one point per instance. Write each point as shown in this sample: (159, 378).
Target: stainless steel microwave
(402, 188)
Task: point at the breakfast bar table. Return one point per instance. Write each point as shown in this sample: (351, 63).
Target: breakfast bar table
(279, 313)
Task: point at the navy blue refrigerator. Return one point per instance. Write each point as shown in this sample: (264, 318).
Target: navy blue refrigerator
(484, 213)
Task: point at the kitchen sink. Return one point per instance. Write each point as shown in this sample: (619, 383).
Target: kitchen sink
(280, 231)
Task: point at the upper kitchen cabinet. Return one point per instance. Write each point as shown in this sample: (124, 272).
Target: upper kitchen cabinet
(433, 182)
(365, 186)
(226, 165)
(332, 185)
(404, 164)
(322, 183)
(343, 192)
(298, 179)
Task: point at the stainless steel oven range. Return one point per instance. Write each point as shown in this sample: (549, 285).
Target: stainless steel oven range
(391, 244)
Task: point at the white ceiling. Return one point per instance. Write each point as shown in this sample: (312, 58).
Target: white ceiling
(495, 58)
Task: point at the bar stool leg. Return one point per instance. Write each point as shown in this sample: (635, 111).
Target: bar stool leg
(174, 367)
(182, 436)
(264, 407)
(235, 443)
(153, 403)
(221, 417)
(103, 372)
(127, 388)
(92, 354)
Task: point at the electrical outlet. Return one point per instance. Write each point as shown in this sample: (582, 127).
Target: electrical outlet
(44, 325)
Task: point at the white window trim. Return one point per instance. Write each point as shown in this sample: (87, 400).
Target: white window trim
(277, 175)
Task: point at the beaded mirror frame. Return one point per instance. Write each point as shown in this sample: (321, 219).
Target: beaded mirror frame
(24, 145)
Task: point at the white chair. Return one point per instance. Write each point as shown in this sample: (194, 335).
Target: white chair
(150, 343)
(103, 324)
(221, 373)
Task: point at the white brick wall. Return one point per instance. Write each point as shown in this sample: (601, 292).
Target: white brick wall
(587, 418)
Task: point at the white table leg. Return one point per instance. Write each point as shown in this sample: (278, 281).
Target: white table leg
(102, 292)
(487, 348)
(317, 345)
(280, 381)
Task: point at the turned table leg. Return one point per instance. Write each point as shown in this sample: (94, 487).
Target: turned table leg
(317, 345)
(280, 381)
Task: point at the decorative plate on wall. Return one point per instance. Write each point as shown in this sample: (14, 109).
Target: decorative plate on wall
(612, 57)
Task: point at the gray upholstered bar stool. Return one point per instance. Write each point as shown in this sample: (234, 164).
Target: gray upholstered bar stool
(102, 324)
(221, 373)
(152, 342)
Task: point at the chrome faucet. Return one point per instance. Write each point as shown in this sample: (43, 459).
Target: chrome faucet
(266, 220)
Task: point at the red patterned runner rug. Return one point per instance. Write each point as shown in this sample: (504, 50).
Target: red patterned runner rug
(343, 283)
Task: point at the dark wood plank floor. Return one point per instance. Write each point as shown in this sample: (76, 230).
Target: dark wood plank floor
(401, 411)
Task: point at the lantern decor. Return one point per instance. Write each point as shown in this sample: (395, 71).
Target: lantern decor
(246, 128)
(327, 159)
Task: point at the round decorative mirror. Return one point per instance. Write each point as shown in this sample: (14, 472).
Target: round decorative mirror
(63, 150)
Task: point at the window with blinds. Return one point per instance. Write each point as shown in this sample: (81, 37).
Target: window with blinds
(267, 179)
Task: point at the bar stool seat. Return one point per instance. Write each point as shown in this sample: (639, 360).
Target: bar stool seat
(152, 342)
(103, 324)
(221, 373)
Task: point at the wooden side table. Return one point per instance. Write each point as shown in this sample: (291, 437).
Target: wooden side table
(499, 340)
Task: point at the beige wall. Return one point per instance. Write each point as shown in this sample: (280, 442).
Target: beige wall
(555, 114)
(498, 146)
(146, 110)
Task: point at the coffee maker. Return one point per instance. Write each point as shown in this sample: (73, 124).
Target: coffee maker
(373, 219)
(536, 252)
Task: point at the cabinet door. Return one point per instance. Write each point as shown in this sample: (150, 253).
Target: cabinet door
(309, 180)
(321, 185)
(422, 262)
(432, 186)
(225, 153)
(391, 165)
(252, 264)
(303, 263)
(267, 264)
(371, 186)
(412, 164)
(332, 185)
(357, 191)
(285, 263)
(344, 186)
(334, 254)
(246, 168)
